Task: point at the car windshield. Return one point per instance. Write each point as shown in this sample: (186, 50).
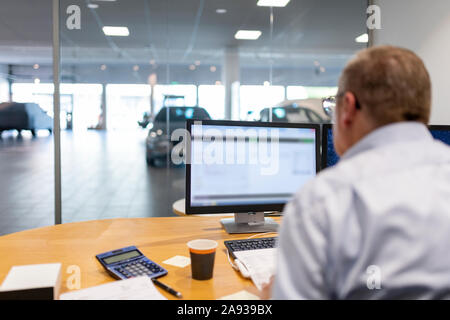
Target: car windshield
(182, 114)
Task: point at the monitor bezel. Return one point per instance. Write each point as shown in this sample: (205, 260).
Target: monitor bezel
(242, 208)
(438, 127)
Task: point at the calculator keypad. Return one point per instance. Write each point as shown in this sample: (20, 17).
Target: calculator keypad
(138, 268)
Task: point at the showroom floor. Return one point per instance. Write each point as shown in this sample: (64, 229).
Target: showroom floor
(104, 175)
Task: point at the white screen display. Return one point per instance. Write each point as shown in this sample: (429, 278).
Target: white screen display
(233, 165)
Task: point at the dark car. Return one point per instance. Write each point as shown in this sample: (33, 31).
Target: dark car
(24, 116)
(168, 119)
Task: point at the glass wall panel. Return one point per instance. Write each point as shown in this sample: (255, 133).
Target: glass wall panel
(255, 98)
(300, 92)
(187, 95)
(212, 98)
(26, 162)
(134, 87)
(126, 104)
(85, 98)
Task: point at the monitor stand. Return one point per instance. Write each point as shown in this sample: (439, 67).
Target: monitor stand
(252, 222)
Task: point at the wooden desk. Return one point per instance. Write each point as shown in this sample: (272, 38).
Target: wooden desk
(158, 238)
(179, 208)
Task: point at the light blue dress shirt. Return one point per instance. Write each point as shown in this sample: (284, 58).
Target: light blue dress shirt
(375, 226)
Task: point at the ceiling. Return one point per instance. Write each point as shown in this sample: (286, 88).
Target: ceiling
(180, 32)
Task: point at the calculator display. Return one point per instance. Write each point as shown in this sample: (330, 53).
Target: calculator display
(123, 256)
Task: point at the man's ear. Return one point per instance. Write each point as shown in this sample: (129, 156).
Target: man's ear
(348, 109)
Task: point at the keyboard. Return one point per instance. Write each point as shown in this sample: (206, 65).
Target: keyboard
(250, 244)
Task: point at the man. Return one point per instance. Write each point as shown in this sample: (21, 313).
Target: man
(377, 225)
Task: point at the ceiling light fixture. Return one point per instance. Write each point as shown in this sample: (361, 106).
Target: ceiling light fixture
(247, 34)
(136, 68)
(221, 11)
(364, 38)
(37, 81)
(36, 66)
(116, 31)
(212, 68)
(103, 67)
(192, 67)
(92, 5)
(272, 3)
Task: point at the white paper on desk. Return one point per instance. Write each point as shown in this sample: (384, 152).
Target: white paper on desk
(178, 261)
(140, 288)
(241, 295)
(260, 263)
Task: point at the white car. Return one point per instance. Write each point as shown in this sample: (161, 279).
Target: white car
(297, 111)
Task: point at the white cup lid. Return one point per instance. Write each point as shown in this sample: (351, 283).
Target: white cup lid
(202, 244)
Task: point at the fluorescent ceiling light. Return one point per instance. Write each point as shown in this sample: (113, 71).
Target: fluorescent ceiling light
(272, 3)
(116, 31)
(364, 38)
(247, 34)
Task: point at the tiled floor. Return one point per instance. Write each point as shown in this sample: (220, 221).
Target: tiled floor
(104, 175)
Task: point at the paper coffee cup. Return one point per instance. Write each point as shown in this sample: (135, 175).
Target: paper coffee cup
(203, 253)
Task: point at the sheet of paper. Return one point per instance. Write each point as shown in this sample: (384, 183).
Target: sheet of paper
(260, 264)
(178, 261)
(241, 295)
(140, 288)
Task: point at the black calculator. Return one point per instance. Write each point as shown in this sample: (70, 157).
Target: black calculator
(129, 262)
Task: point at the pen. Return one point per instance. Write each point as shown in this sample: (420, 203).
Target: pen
(167, 288)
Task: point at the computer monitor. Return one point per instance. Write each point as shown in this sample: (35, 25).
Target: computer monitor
(441, 133)
(329, 155)
(247, 168)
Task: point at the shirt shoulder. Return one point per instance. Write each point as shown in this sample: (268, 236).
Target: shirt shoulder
(372, 164)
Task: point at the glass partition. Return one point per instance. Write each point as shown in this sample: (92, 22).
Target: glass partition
(126, 105)
(212, 98)
(26, 153)
(134, 71)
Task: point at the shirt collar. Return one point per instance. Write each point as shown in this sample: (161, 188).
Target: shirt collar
(392, 133)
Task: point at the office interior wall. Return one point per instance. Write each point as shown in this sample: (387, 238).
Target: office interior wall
(424, 27)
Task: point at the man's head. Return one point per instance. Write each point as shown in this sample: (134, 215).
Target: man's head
(381, 85)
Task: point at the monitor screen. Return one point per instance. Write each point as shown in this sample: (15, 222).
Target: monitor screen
(246, 166)
(441, 133)
(329, 155)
